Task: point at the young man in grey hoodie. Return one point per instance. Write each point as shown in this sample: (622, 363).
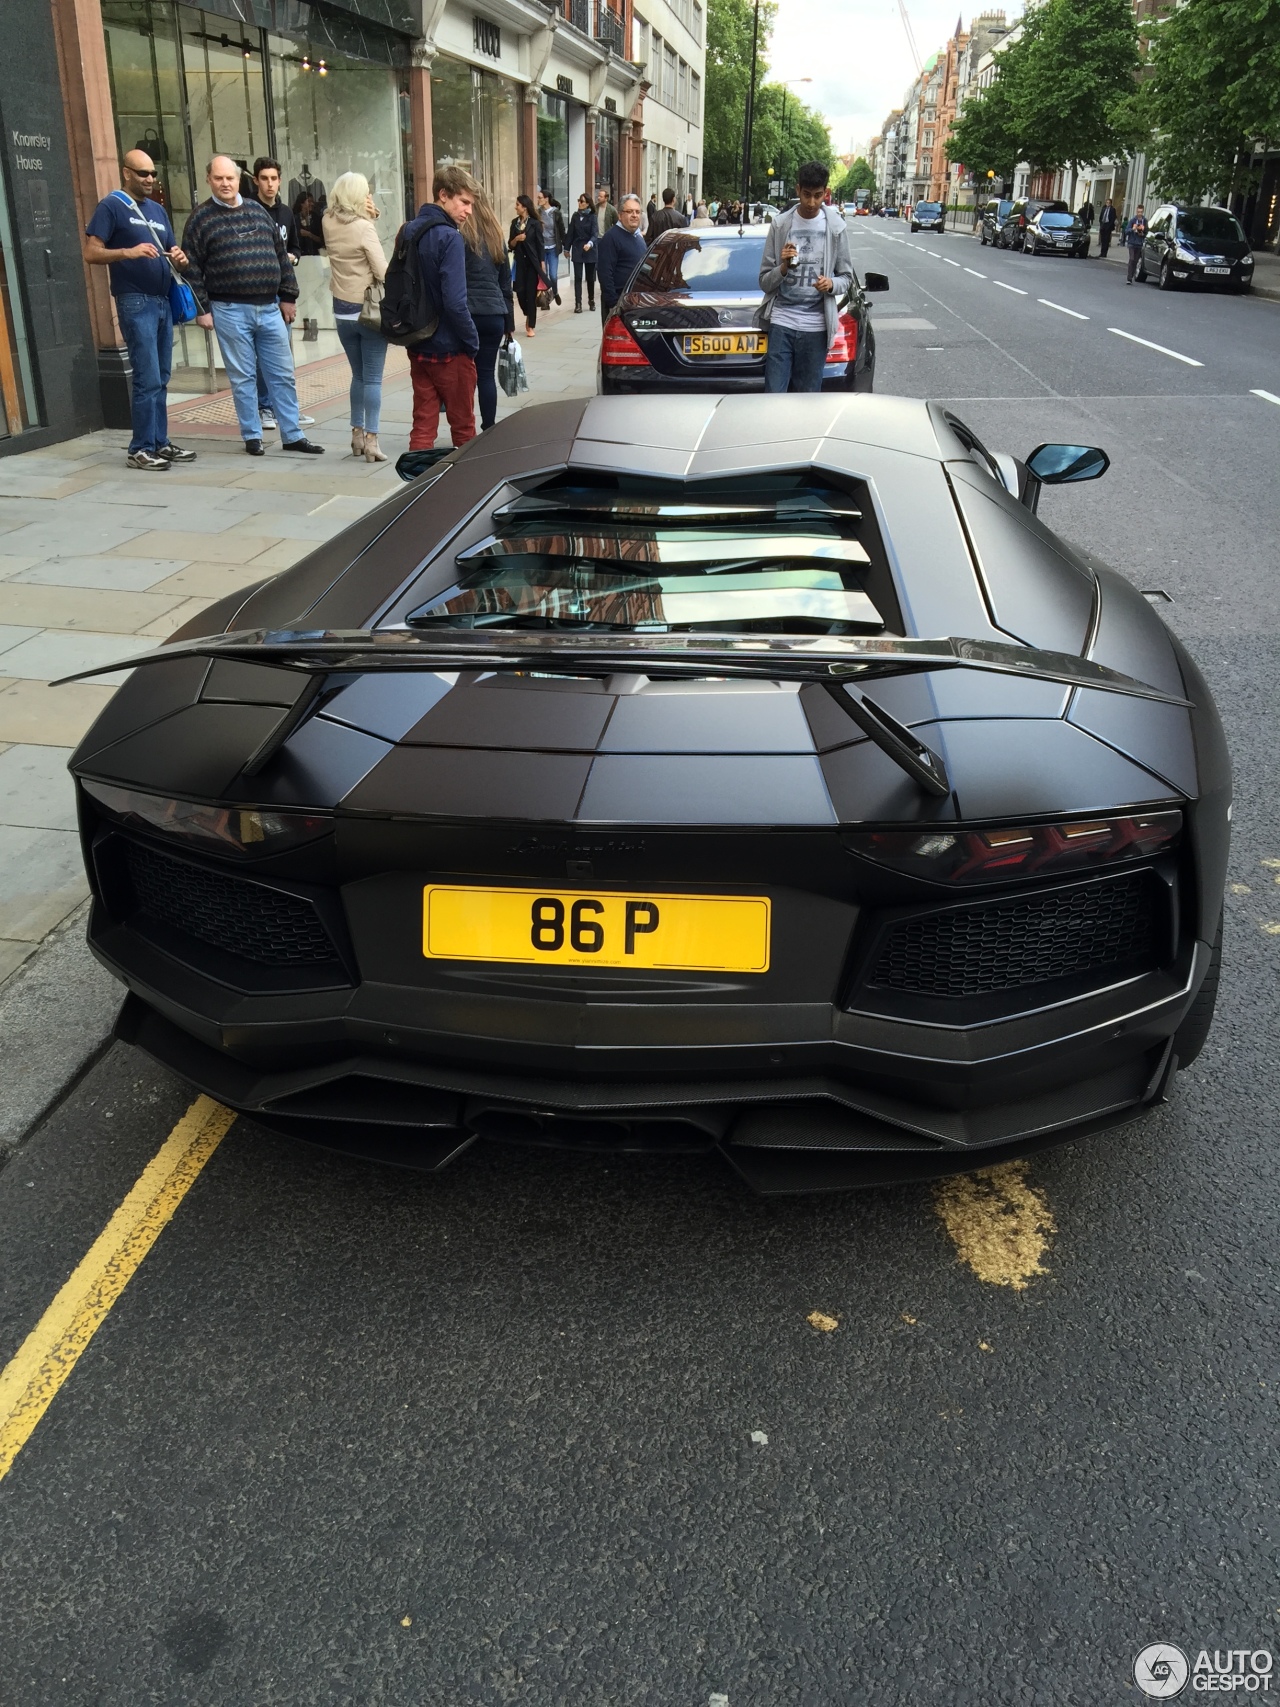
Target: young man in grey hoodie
(805, 272)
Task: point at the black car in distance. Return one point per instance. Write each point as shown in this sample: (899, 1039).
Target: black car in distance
(1196, 246)
(1019, 216)
(687, 321)
(992, 218)
(928, 216)
(1051, 233)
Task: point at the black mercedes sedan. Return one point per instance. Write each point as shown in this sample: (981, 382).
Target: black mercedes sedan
(1051, 233)
(1196, 246)
(757, 775)
(687, 321)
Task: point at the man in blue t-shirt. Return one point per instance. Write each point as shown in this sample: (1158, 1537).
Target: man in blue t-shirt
(131, 236)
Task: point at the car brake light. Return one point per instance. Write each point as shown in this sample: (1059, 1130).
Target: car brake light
(844, 346)
(991, 856)
(618, 348)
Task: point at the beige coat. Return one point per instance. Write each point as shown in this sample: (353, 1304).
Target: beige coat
(355, 256)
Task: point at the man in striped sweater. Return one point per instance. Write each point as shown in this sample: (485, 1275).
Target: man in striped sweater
(240, 270)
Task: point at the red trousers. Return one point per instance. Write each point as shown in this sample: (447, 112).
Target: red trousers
(449, 384)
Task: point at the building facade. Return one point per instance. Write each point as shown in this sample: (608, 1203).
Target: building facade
(669, 43)
(48, 370)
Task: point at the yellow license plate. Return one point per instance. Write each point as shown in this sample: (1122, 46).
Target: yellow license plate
(536, 927)
(726, 344)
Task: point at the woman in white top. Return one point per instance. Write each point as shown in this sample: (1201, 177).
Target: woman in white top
(355, 262)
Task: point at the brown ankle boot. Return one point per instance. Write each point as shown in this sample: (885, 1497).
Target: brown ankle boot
(357, 442)
(373, 451)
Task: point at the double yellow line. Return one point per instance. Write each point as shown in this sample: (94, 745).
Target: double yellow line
(30, 1382)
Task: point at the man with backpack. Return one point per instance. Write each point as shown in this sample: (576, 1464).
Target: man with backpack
(424, 307)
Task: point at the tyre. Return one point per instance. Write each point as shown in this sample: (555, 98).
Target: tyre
(915, 228)
(982, 236)
(1166, 279)
(1141, 274)
(1189, 1039)
(1028, 247)
(1240, 287)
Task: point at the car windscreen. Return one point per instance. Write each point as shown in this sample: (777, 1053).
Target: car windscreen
(682, 261)
(1057, 221)
(928, 208)
(1209, 225)
(776, 554)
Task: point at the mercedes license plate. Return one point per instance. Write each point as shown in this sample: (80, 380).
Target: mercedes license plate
(726, 344)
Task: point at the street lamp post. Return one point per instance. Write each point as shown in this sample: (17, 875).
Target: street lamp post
(749, 119)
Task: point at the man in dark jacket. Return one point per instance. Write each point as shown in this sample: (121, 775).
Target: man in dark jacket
(243, 279)
(1135, 235)
(667, 220)
(619, 252)
(1106, 227)
(443, 367)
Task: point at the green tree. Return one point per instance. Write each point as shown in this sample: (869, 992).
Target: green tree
(786, 134)
(1212, 95)
(728, 77)
(858, 177)
(1062, 94)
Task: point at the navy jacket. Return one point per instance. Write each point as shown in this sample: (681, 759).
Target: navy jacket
(583, 230)
(618, 253)
(443, 258)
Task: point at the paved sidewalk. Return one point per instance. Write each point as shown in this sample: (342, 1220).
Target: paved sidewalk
(98, 561)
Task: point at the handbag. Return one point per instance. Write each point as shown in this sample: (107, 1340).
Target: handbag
(544, 298)
(511, 371)
(371, 309)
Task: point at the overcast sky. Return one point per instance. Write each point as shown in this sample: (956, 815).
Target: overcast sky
(857, 53)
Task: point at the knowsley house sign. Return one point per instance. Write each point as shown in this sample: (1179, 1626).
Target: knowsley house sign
(29, 139)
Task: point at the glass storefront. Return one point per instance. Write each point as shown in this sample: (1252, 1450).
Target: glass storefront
(475, 123)
(608, 153)
(553, 148)
(319, 93)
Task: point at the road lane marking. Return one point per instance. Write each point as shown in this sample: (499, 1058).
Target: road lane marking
(32, 1379)
(1004, 286)
(934, 253)
(1061, 309)
(976, 275)
(1146, 342)
(1000, 1225)
(950, 262)
(904, 325)
(1270, 396)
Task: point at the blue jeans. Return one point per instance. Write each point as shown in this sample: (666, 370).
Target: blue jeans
(794, 360)
(551, 266)
(490, 329)
(148, 334)
(253, 336)
(366, 351)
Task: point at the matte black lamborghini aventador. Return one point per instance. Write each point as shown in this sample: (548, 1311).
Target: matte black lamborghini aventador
(673, 773)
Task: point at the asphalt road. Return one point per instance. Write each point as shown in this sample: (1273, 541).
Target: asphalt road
(356, 1436)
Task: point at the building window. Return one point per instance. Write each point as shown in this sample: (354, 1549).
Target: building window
(695, 98)
(669, 76)
(553, 147)
(697, 24)
(682, 99)
(642, 40)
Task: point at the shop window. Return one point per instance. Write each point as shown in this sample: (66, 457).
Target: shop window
(553, 147)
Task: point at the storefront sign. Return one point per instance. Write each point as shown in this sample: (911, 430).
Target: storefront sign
(610, 105)
(487, 38)
(565, 85)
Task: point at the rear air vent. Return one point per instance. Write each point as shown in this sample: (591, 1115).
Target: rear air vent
(1091, 933)
(786, 553)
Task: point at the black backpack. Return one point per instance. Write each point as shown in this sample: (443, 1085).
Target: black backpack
(409, 311)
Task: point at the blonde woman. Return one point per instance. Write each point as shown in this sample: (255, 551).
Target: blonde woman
(488, 297)
(355, 262)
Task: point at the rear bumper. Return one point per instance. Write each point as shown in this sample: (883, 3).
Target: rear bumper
(815, 1094)
(648, 382)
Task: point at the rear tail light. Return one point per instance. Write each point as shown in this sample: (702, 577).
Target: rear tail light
(844, 347)
(992, 856)
(246, 830)
(618, 348)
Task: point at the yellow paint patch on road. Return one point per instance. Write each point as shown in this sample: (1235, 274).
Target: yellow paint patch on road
(1270, 927)
(31, 1381)
(1000, 1225)
(824, 1324)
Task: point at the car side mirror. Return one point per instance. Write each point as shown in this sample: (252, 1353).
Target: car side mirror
(413, 463)
(875, 281)
(1059, 465)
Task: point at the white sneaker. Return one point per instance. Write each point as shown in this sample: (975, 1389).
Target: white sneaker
(306, 420)
(268, 420)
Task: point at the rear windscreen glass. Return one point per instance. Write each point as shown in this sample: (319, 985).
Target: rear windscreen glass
(683, 262)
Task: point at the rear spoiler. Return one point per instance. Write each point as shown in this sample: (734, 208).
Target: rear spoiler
(837, 664)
